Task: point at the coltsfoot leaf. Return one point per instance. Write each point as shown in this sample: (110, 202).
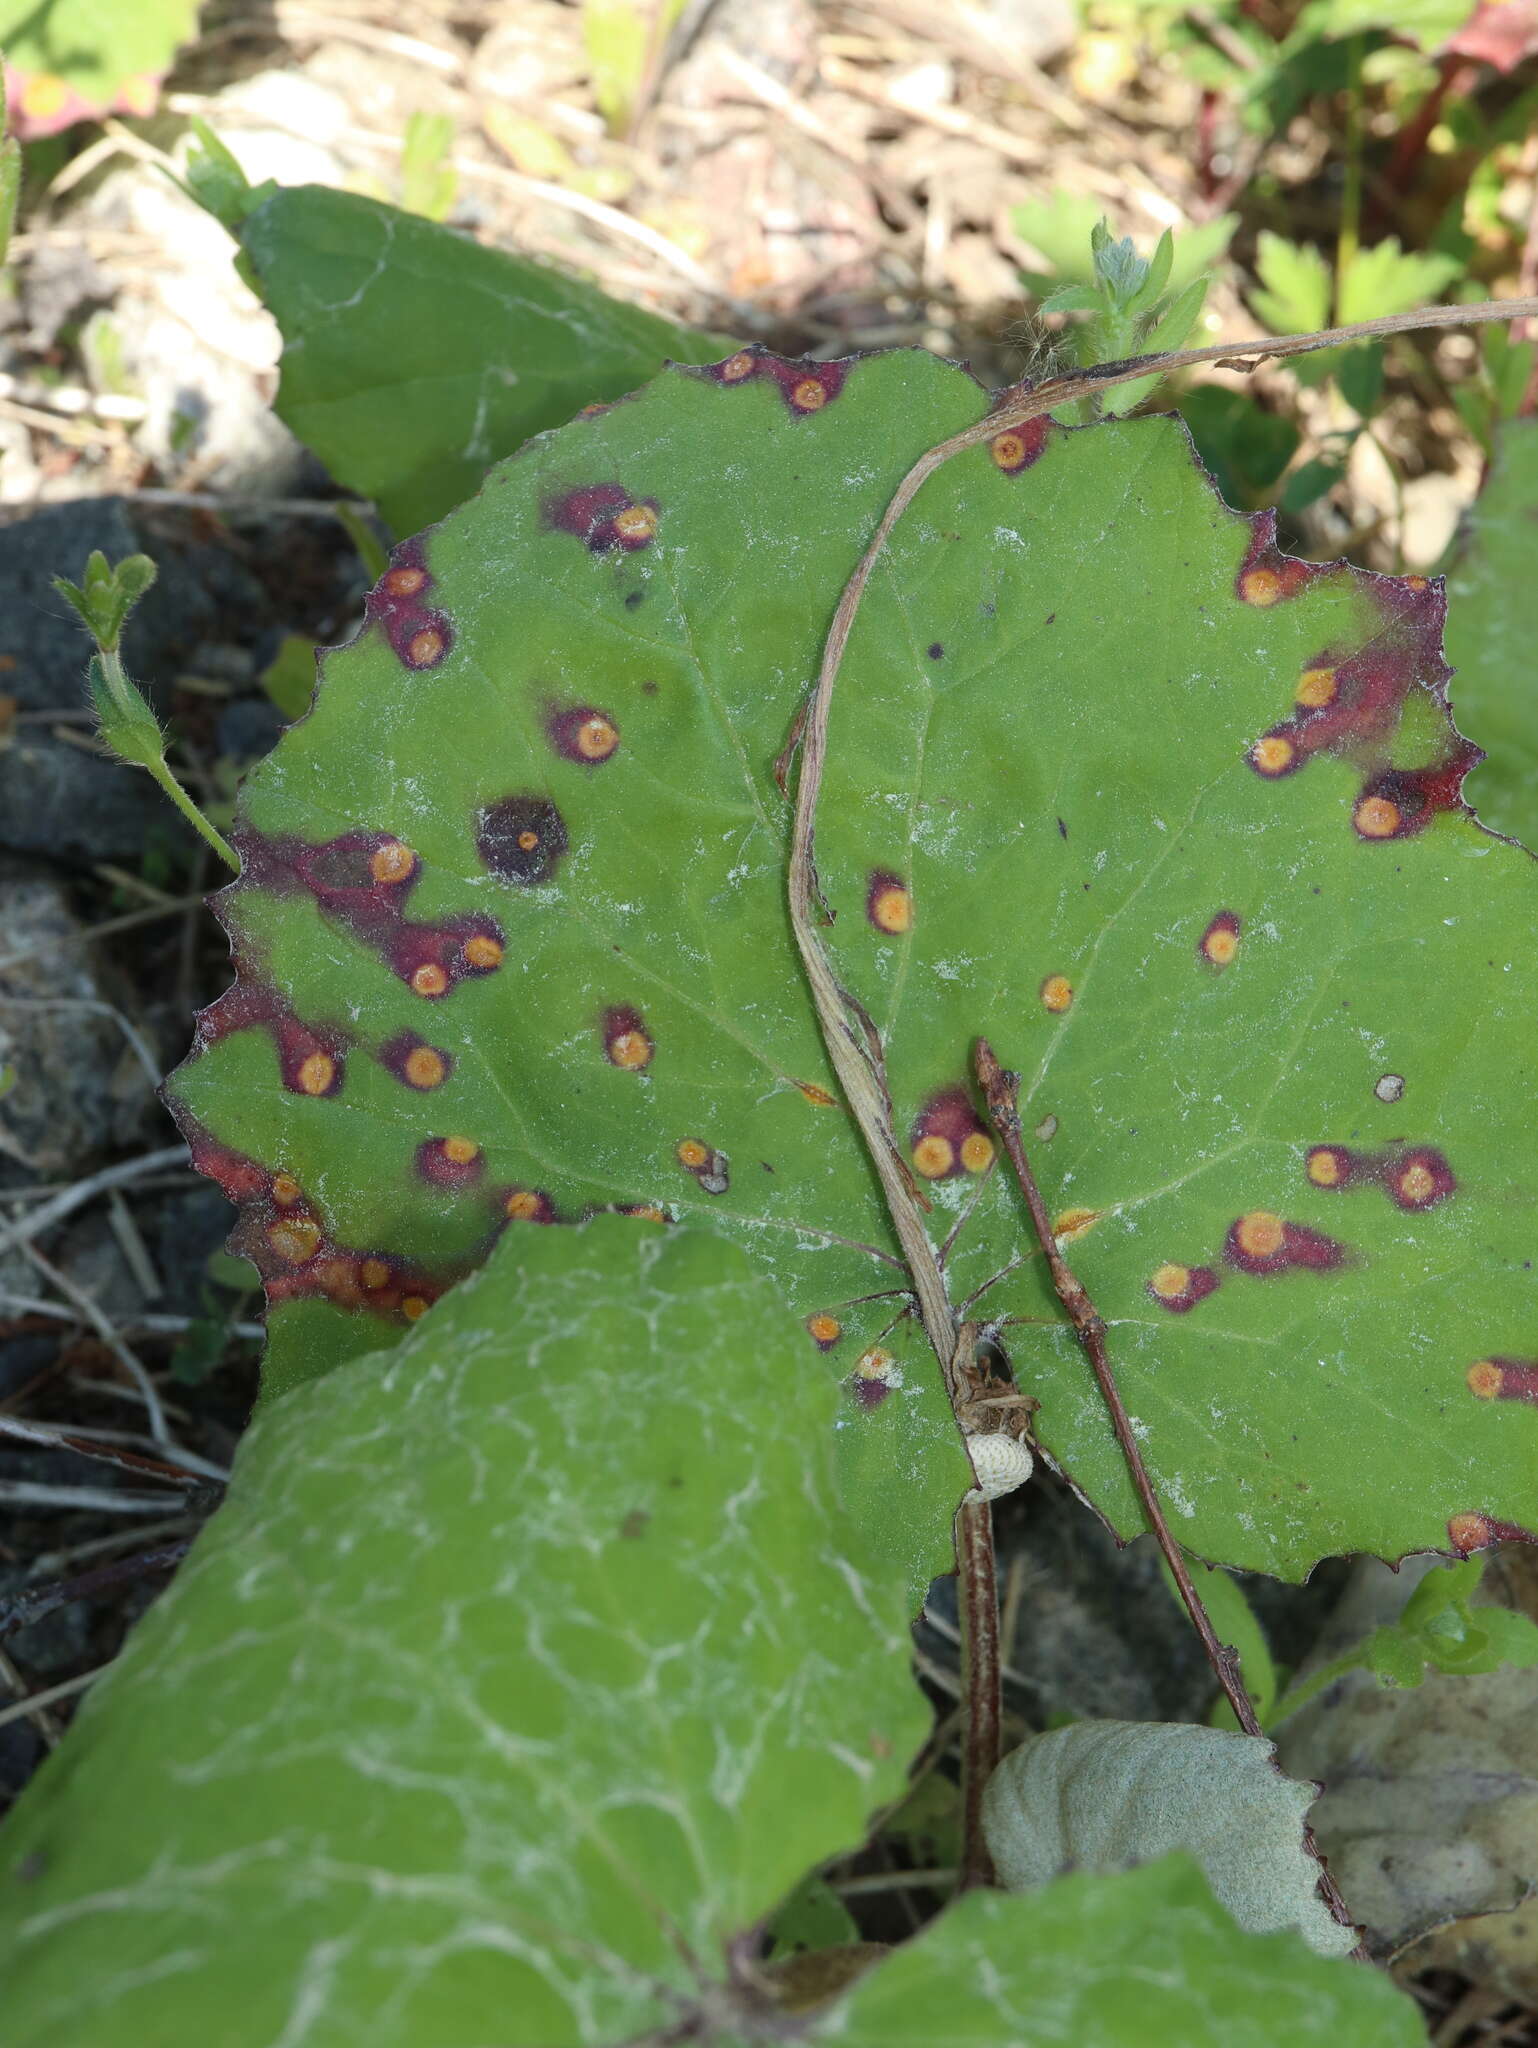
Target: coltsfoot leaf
(1173, 820)
(525, 1665)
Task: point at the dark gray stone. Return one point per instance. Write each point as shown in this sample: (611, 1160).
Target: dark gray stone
(78, 807)
(43, 648)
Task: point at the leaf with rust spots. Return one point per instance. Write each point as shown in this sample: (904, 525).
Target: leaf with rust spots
(1174, 822)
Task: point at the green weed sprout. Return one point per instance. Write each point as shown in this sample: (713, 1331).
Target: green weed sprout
(126, 724)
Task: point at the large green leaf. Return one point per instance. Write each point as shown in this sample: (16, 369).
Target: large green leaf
(75, 60)
(1144, 1960)
(1492, 631)
(414, 358)
(1171, 818)
(524, 1667)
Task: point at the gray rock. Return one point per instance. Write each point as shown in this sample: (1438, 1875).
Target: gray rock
(43, 647)
(78, 1089)
(78, 807)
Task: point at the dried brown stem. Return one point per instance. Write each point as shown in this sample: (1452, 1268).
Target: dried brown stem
(1002, 1092)
(982, 1685)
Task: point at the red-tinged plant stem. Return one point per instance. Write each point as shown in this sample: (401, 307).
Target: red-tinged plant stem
(982, 1685)
(1002, 1092)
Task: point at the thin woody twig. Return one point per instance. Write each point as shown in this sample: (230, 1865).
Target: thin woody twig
(982, 1694)
(1001, 1089)
(32, 1603)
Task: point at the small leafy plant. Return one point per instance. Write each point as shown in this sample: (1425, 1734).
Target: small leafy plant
(695, 1130)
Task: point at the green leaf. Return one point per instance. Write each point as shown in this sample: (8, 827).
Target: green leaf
(494, 1701)
(1108, 1795)
(1296, 286)
(75, 60)
(215, 179)
(428, 180)
(1237, 1626)
(1147, 1959)
(1062, 224)
(813, 1917)
(530, 841)
(1492, 630)
(1428, 23)
(618, 35)
(10, 190)
(1388, 279)
(289, 678)
(1170, 331)
(414, 358)
(1245, 447)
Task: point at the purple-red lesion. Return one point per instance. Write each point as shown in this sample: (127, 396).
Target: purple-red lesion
(805, 386)
(311, 1058)
(1475, 1531)
(420, 633)
(1262, 1243)
(604, 516)
(412, 1060)
(453, 1162)
(1504, 1379)
(948, 1137)
(582, 733)
(1218, 945)
(362, 881)
(1400, 802)
(1179, 1288)
(1414, 1177)
(626, 1041)
(1014, 449)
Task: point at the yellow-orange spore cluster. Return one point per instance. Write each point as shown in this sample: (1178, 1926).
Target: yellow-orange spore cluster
(626, 1041)
(1219, 943)
(949, 1138)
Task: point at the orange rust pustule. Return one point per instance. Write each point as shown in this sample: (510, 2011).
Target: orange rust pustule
(298, 1260)
(1179, 1288)
(340, 874)
(1504, 1379)
(709, 1167)
(525, 1205)
(1474, 1531)
(806, 387)
(604, 516)
(1418, 1179)
(1014, 449)
(626, 1041)
(1267, 576)
(522, 839)
(1414, 1177)
(582, 733)
(420, 634)
(452, 1162)
(1403, 801)
(1334, 1166)
(1261, 1243)
(416, 1063)
(311, 1059)
(944, 1140)
(818, 1097)
(1218, 945)
(824, 1330)
(888, 903)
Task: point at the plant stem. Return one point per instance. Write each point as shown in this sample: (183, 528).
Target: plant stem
(192, 814)
(1349, 240)
(982, 1687)
(1002, 1090)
